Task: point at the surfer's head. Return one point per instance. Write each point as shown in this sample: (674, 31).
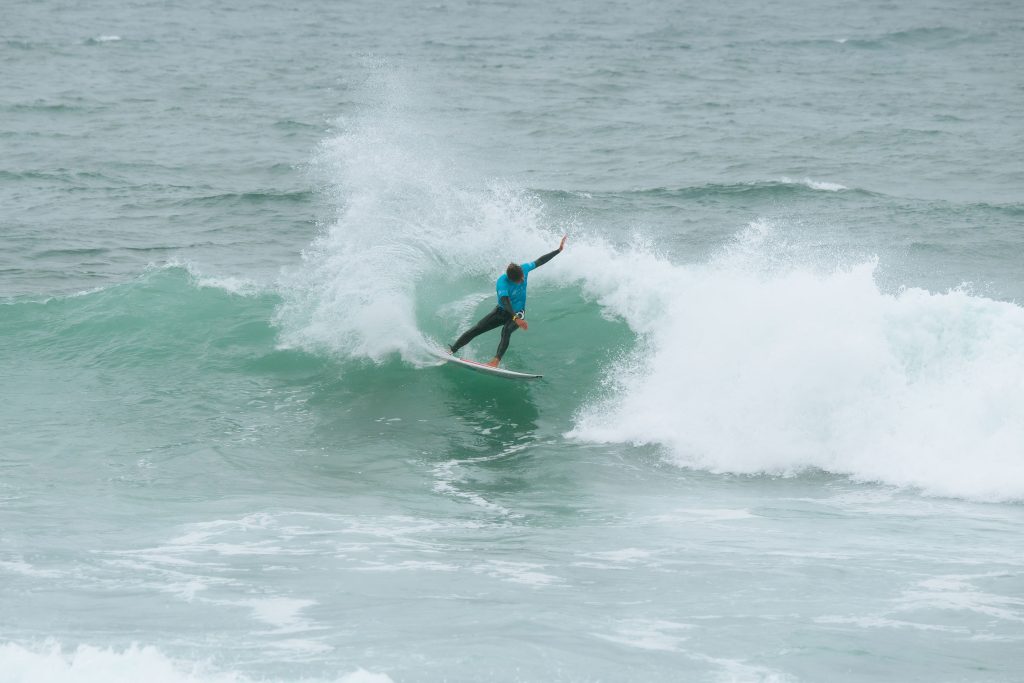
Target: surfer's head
(515, 273)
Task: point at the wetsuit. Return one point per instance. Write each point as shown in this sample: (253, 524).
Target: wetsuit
(511, 300)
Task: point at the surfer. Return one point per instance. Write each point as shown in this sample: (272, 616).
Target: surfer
(510, 313)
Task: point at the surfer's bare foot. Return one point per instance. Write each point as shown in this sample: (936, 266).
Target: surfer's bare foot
(493, 363)
(451, 349)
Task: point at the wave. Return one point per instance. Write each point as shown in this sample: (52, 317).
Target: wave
(930, 36)
(937, 36)
(816, 184)
(756, 362)
(763, 360)
(1009, 209)
(161, 315)
(21, 44)
(781, 189)
(59, 108)
(232, 199)
(51, 663)
(60, 175)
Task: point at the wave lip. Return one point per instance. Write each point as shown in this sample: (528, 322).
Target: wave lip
(815, 184)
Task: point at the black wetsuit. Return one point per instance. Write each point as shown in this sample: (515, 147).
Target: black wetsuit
(502, 316)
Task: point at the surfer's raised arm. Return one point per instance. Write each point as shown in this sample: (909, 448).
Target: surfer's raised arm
(547, 257)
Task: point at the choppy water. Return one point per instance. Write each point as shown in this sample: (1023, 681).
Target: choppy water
(781, 433)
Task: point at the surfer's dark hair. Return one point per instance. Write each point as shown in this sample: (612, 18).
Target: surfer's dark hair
(514, 272)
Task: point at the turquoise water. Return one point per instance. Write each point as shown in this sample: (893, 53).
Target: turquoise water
(781, 431)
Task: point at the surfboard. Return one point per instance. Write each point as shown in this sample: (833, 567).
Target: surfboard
(483, 368)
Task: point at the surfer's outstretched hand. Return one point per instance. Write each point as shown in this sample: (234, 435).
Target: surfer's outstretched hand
(561, 245)
(523, 325)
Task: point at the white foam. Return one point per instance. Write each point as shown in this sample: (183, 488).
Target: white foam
(656, 635)
(301, 645)
(361, 676)
(702, 516)
(815, 184)
(759, 363)
(958, 593)
(446, 482)
(409, 565)
(624, 555)
(237, 286)
(517, 572)
(232, 285)
(20, 566)
(282, 613)
(884, 622)
(735, 671)
(51, 663)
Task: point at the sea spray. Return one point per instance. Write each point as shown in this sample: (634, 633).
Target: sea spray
(400, 216)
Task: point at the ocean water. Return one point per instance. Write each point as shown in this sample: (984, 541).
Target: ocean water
(781, 431)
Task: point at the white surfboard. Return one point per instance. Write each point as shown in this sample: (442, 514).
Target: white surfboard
(483, 368)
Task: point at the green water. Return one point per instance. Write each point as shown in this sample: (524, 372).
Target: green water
(781, 426)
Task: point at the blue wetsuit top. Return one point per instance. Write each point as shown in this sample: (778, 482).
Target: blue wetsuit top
(515, 292)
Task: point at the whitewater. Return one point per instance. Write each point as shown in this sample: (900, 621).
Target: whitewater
(780, 434)
(765, 359)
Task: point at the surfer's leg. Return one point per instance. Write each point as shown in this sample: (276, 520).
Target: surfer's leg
(495, 318)
(506, 334)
